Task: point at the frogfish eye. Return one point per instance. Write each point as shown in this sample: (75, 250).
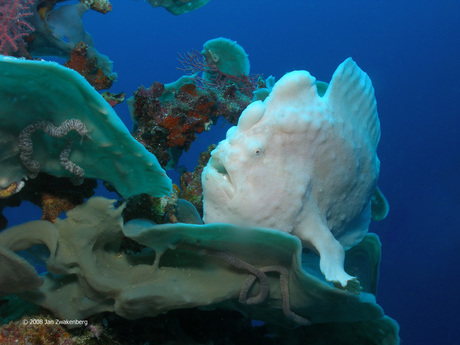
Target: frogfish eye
(258, 151)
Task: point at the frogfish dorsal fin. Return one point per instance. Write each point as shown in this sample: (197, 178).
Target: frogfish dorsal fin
(351, 95)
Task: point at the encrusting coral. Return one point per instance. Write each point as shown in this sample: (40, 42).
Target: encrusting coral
(88, 67)
(166, 126)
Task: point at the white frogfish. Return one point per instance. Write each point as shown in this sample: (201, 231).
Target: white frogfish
(304, 163)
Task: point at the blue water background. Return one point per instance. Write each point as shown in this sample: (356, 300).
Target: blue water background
(411, 51)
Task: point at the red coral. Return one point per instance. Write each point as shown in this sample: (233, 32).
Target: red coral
(164, 123)
(88, 67)
(188, 116)
(12, 27)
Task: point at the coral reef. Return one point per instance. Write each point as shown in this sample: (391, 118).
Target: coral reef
(206, 74)
(223, 67)
(53, 206)
(195, 327)
(168, 117)
(40, 331)
(12, 189)
(166, 127)
(226, 59)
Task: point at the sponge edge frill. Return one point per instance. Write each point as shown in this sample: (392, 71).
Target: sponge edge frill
(46, 91)
(16, 274)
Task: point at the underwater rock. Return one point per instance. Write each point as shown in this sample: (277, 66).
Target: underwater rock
(302, 163)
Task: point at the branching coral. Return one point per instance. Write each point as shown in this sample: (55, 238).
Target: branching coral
(12, 26)
(207, 74)
(26, 146)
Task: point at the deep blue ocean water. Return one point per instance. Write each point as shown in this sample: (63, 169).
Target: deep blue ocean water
(411, 51)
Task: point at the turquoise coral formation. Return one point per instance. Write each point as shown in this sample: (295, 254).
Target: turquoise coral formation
(111, 155)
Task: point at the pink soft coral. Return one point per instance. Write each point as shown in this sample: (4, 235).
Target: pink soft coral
(12, 27)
